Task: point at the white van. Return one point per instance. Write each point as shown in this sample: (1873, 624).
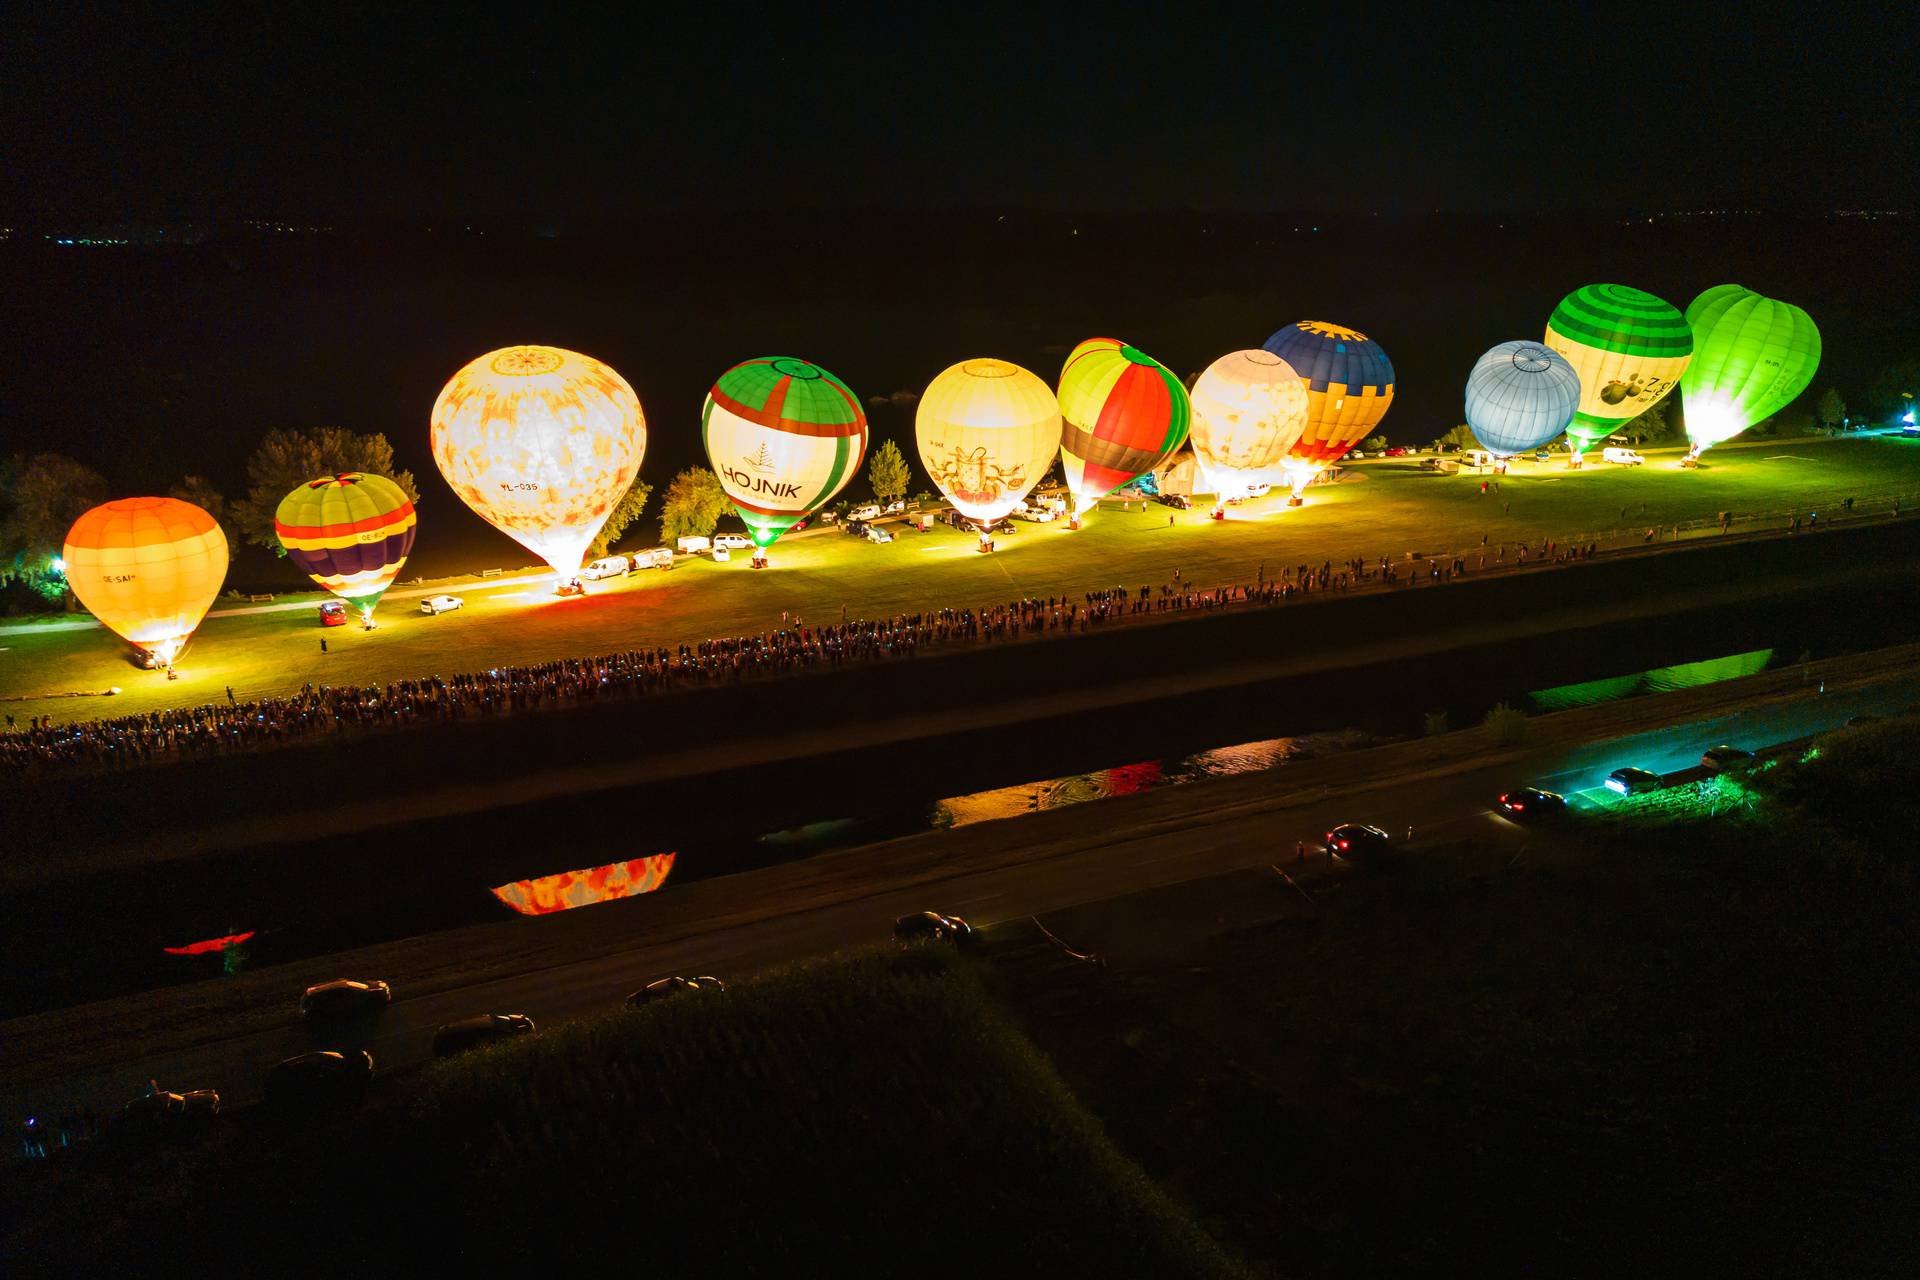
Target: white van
(868, 512)
(693, 544)
(654, 558)
(1622, 456)
(1478, 458)
(610, 567)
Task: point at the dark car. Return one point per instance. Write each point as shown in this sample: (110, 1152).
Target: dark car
(161, 1108)
(1532, 802)
(661, 988)
(1633, 782)
(1726, 759)
(1175, 500)
(931, 926)
(1357, 840)
(328, 1076)
(471, 1033)
(344, 998)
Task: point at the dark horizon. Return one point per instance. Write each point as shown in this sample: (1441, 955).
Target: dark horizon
(564, 120)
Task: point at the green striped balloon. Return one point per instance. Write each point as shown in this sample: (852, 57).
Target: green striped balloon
(784, 436)
(1629, 349)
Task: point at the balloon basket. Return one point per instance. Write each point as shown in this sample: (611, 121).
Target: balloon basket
(1218, 513)
(1295, 500)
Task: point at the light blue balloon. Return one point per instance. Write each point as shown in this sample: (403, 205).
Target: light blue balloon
(1520, 395)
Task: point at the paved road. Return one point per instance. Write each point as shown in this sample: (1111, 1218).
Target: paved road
(857, 907)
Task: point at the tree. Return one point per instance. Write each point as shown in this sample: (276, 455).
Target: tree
(1375, 444)
(1504, 725)
(694, 504)
(200, 492)
(1650, 427)
(624, 513)
(1832, 410)
(286, 459)
(888, 472)
(40, 498)
(1460, 437)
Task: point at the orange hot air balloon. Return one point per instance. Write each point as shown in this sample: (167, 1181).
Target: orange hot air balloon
(148, 568)
(541, 443)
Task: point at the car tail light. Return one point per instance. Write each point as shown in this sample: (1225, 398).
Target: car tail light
(1518, 807)
(1343, 844)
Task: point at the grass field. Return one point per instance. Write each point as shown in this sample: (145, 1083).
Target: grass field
(1665, 1047)
(875, 1115)
(1388, 508)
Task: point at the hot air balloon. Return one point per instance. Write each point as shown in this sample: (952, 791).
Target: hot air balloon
(1349, 388)
(1121, 414)
(149, 569)
(1249, 408)
(1520, 395)
(1629, 349)
(350, 532)
(988, 430)
(541, 443)
(1751, 356)
(784, 436)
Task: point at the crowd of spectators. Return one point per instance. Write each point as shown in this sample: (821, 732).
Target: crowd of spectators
(796, 646)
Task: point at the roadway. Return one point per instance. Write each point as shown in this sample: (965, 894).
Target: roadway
(224, 1034)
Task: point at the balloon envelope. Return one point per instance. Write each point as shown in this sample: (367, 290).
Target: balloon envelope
(1249, 408)
(541, 443)
(148, 568)
(784, 436)
(987, 430)
(1751, 356)
(351, 533)
(1629, 349)
(1121, 413)
(1520, 395)
(1349, 383)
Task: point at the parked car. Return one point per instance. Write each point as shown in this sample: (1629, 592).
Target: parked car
(1532, 802)
(1398, 451)
(869, 512)
(1038, 515)
(159, 1108)
(333, 614)
(732, 541)
(1177, 501)
(344, 998)
(1005, 526)
(895, 507)
(471, 1033)
(798, 525)
(605, 567)
(661, 988)
(857, 528)
(932, 926)
(692, 544)
(1621, 457)
(876, 534)
(1478, 458)
(326, 1076)
(1633, 782)
(440, 604)
(1725, 759)
(1543, 455)
(721, 555)
(1357, 840)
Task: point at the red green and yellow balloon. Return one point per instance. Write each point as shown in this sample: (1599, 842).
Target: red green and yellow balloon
(541, 443)
(1122, 413)
(784, 436)
(1751, 356)
(350, 533)
(1629, 349)
(149, 569)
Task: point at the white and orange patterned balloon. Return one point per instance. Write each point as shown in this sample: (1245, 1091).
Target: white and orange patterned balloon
(542, 443)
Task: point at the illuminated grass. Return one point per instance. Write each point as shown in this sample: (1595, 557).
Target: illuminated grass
(1395, 507)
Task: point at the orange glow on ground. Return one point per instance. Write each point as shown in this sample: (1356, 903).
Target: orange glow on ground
(566, 890)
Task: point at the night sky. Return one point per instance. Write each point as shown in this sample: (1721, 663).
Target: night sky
(531, 117)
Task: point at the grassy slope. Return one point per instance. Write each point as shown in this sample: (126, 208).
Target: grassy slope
(1677, 1046)
(867, 1116)
(1394, 508)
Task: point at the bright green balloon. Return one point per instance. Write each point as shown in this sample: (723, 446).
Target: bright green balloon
(1751, 356)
